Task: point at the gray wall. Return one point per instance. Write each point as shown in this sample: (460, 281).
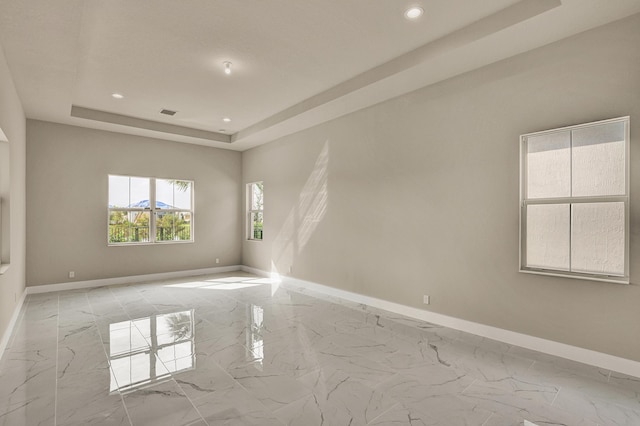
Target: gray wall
(12, 123)
(419, 195)
(67, 170)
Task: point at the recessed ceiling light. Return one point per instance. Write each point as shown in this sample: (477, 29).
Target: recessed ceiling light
(413, 12)
(222, 130)
(227, 67)
(226, 120)
(117, 95)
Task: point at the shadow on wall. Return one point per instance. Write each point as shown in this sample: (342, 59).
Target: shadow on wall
(304, 217)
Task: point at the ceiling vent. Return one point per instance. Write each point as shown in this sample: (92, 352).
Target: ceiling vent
(168, 112)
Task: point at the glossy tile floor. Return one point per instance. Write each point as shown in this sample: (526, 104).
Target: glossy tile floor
(235, 349)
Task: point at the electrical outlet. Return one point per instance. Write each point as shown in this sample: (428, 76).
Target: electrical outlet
(217, 260)
(290, 269)
(72, 274)
(426, 299)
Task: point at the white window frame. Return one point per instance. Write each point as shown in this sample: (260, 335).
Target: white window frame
(5, 216)
(524, 202)
(250, 212)
(152, 213)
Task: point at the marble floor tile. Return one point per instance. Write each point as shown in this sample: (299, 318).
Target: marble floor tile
(437, 410)
(542, 415)
(116, 415)
(560, 367)
(235, 407)
(205, 378)
(487, 365)
(108, 411)
(455, 410)
(81, 359)
(335, 360)
(28, 388)
(509, 395)
(35, 335)
(161, 404)
(601, 411)
(272, 390)
(437, 380)
(625, 381)
(340, 399)
(86, 394)
(310, 411)
(404, 415)
(236, 349)
(33, 411)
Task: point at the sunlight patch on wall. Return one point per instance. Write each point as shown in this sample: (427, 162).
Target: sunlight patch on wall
(305, 215)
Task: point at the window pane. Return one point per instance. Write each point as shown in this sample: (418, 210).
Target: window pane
(178, 323)
(118, 191)
(256, 225)
(548, 236)
(256, 196)
(597, 238)
(133, 369)
(173, 194)
(139, 192)
(182, 194)
(128, 227)
(549, 165)
(174, 329)
(177, 357)
(164, 194)
(127, 339)
(599, 160)
(173, 226)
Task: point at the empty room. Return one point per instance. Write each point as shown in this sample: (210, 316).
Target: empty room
(319, 212)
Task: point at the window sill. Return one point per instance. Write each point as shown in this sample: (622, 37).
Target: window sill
(158, 243)
(4, 267)
(607, 279)
(254, 240)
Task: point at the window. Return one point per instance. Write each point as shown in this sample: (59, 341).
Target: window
(255, 202)
(5, 189)
(146, 210)
(575, 201)
(149, 349)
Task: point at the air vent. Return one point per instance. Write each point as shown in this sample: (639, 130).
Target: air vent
(168, 112)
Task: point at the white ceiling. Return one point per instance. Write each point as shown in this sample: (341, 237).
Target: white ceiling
(295, 63)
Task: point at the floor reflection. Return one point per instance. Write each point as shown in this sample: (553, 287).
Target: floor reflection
(149, 349)
(289, 359)
(255, 343)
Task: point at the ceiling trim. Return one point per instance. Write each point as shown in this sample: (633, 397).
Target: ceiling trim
(507, 17)
(484, 27)
(125, 120)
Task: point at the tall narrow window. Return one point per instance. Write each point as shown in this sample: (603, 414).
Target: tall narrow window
(5, 190)
(575, 201)
(255, 202)
(149, 210)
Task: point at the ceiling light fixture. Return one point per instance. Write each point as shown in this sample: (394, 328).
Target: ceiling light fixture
(227, 67)
(413, 12)
(117, 95)
(226, 120)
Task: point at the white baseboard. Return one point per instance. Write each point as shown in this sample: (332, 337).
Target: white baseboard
(74, 285)
(574, 353)
(260, 272)
(12, 323)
